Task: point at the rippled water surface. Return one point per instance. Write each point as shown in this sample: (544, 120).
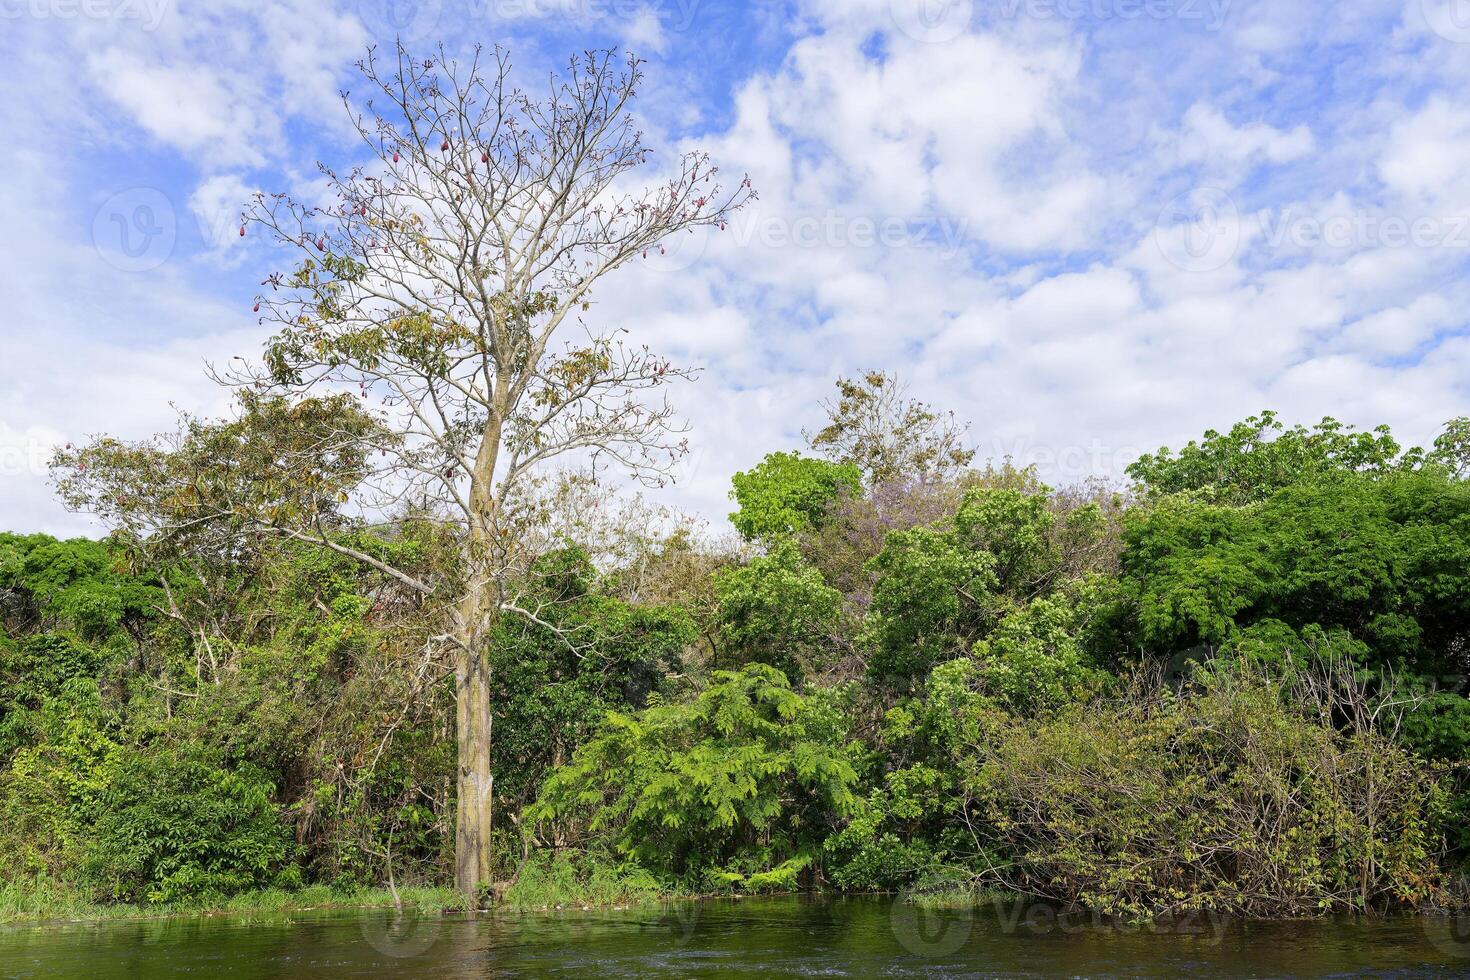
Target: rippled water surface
(864, 937)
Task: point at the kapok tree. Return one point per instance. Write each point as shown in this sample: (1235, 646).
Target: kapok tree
(445, 282)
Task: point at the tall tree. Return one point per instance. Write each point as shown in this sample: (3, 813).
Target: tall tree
(875, 425)
(444, 282)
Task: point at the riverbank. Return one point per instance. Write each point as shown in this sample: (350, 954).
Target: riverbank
(53, 902)
(43, 902)
(541, 887)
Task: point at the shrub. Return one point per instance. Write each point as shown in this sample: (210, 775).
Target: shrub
(777, 610)
(548, 879)
(175, 826)
(788, 493)
(1243, 797)
(739, 782)
(1031, 661)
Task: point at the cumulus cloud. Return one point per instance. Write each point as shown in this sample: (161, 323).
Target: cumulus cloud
(1088, 236)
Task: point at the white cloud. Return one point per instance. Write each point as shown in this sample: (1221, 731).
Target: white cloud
(217, 204)
(643, 32)
(1208, 137)
(1427, 159)
(1400, 330)
(1019, 167)
(187, 107)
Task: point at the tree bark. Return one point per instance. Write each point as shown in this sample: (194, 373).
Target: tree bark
(473, 866)
(475, 797)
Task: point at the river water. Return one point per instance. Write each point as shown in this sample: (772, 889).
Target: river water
(856, 937)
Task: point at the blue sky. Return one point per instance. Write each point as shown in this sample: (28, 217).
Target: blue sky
(1087, 226)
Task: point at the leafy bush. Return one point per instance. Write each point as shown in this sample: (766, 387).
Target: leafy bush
(927, 602)
(549, 879)
(1260, 455)
(788, 493)
(740, 781)
(1243, 797)
(173, 826)
(51, 790)
(1031, 661)
(1380, 557)
(777, 610)
(892, 843)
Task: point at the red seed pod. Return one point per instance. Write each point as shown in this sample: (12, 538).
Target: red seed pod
(395, 156)
(444, 146)
(242, 231)
(484, 157)
(255, 308)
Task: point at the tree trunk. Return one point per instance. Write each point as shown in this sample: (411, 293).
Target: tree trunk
(472, 842)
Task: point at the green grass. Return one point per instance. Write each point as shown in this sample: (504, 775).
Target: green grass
(46, 900)
(956, 897)
(561, 881)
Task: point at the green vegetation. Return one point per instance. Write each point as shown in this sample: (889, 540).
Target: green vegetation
(49, 901)
(1235, 685)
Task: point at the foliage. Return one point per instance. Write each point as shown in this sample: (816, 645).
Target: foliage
(888, 436)
(410, 282)
(1378, 557)
(554, 685)
(788, 493)
(1241, 798)
(1260, 456)
(896, 840)
(565, 878)
(940, 589)
(1032, 661)
(1241, 689)
(776, 609)
(741, 781)
(45, 898)
(931, 598)
(170, 826)
(279, 463)
(1452, 448)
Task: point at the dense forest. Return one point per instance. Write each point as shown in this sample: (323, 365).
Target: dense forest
(1234, 682)
(392, 621)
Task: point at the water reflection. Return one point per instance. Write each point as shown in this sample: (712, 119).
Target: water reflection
(753, 937)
